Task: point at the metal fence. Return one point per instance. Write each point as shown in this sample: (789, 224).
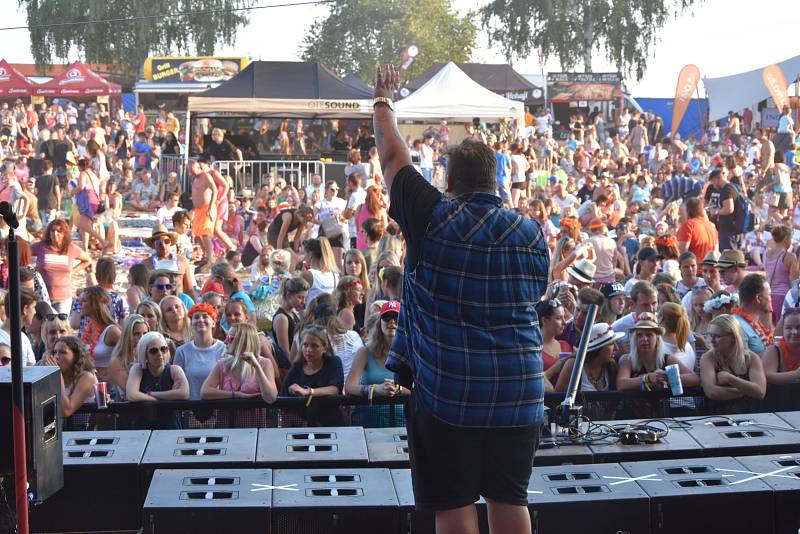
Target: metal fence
(249, 174)
(389, 412)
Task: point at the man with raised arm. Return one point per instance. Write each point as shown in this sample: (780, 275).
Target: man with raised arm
(468, 337)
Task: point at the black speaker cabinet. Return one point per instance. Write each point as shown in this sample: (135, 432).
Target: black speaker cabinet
(42, 398)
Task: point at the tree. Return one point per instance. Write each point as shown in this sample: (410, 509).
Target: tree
(128, 42)
(357, 35)
(573, 29)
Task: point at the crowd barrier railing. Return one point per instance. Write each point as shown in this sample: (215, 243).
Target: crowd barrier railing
(248, 174)
(255, 412)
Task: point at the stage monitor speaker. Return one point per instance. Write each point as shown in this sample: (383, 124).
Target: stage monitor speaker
(42, 398)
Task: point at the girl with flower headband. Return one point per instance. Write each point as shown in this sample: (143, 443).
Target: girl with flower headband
(721, 303)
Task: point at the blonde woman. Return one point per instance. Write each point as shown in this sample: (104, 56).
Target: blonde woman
(643, 367)
(242, 374)
(53, 328)
(175, 323)
(151, 313)
(698, 317)
(322, 273)
(673, 319)
(124, 354)
(729, 371)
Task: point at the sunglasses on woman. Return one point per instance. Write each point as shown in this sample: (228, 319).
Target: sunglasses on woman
(154, 351)
(54, 316)
(163, 287)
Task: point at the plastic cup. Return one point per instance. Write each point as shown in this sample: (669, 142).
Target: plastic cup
(674, 379)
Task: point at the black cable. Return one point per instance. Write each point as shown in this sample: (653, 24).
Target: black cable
(162, 16)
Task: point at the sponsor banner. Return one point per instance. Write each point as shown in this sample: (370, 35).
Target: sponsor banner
(202, 69)
(776, 83)
(563, 87)
(687, 83)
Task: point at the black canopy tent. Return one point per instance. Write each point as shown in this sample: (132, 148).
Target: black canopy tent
(284, 89)
(498, 78)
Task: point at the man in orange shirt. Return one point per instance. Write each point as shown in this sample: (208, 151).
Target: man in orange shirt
(697, 234)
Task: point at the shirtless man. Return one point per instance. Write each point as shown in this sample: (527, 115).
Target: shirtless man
(204, 200)
(223, 186)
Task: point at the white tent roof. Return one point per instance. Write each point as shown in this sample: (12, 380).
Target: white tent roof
(451, 94)
(736, 92)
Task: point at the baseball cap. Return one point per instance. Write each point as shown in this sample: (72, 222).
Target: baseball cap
(613, 289)
(391, 306)
(648, 253)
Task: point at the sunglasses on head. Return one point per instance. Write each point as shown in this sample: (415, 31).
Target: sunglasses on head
(53, 316)
(163, 287)
(154, 351)
(554, 303)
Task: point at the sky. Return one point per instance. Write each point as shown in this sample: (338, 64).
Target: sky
(721, 37)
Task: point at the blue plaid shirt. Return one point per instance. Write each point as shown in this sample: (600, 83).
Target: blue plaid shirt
(467, 327)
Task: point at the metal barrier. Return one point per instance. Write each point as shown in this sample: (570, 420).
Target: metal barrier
(288, 411)
(249, 174)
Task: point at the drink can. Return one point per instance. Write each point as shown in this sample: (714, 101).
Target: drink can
(674, 379)
(101, 395)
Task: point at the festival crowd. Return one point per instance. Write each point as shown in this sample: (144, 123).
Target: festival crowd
(688, 246)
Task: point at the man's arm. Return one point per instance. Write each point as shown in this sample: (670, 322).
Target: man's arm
(392, 149)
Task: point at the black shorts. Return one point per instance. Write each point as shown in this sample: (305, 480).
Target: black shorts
(519, 185)
(452, 466)
(783, 201)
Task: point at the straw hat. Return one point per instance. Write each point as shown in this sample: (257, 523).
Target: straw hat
(159, 230)
(730, 258)
(711, 258)
(647, 321)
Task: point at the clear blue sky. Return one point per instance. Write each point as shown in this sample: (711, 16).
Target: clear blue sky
(720, 36)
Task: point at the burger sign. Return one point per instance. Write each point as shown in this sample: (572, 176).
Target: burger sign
(192, 69)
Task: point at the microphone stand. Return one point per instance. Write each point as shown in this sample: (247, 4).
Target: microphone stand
(568, 415)
(20, 458)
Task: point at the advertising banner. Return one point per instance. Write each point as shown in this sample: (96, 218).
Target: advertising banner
(563, 87)
(193, 69)
(687, 83)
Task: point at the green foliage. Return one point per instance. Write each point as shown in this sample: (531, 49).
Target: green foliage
(128, 43)
(625, 30)
(358, 35)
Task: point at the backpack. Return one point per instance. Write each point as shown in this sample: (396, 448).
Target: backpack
(747, 215)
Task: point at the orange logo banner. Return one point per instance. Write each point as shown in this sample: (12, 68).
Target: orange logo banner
(776, 83)
(687, 82)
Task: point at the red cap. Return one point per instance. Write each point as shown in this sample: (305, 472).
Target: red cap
(392, 306)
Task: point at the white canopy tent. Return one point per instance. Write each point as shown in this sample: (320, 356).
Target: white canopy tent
(736, 92)
(451, 94)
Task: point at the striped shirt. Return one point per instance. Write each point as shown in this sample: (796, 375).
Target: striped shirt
(467, 329)
(681, 188)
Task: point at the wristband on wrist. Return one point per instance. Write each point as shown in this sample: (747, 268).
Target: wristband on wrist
(310, 397)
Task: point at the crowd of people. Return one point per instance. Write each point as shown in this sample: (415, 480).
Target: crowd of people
(689, 247)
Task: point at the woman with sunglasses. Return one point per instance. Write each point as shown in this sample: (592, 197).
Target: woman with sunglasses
(349, 298)
(101, 333)
(124, 355)
(55, 326)
(782, 360)
(199, 356)
(242, 374)
(551, 322)
(729, 372)
(153, 379)
(368, 375)
(175, 324)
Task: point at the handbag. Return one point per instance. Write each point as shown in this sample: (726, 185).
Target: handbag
(331, 226)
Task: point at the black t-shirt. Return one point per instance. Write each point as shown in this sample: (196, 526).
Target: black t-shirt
(60, 150)
(365, 143)
(224, 151)
(585, 194)
(46, 192)
(331, 374)
(412, 202)
(715, 198)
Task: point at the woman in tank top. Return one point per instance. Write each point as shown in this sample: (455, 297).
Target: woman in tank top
(781, 267)
(77, 373)
(288, 221)
(322, 274)
(101, 333)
